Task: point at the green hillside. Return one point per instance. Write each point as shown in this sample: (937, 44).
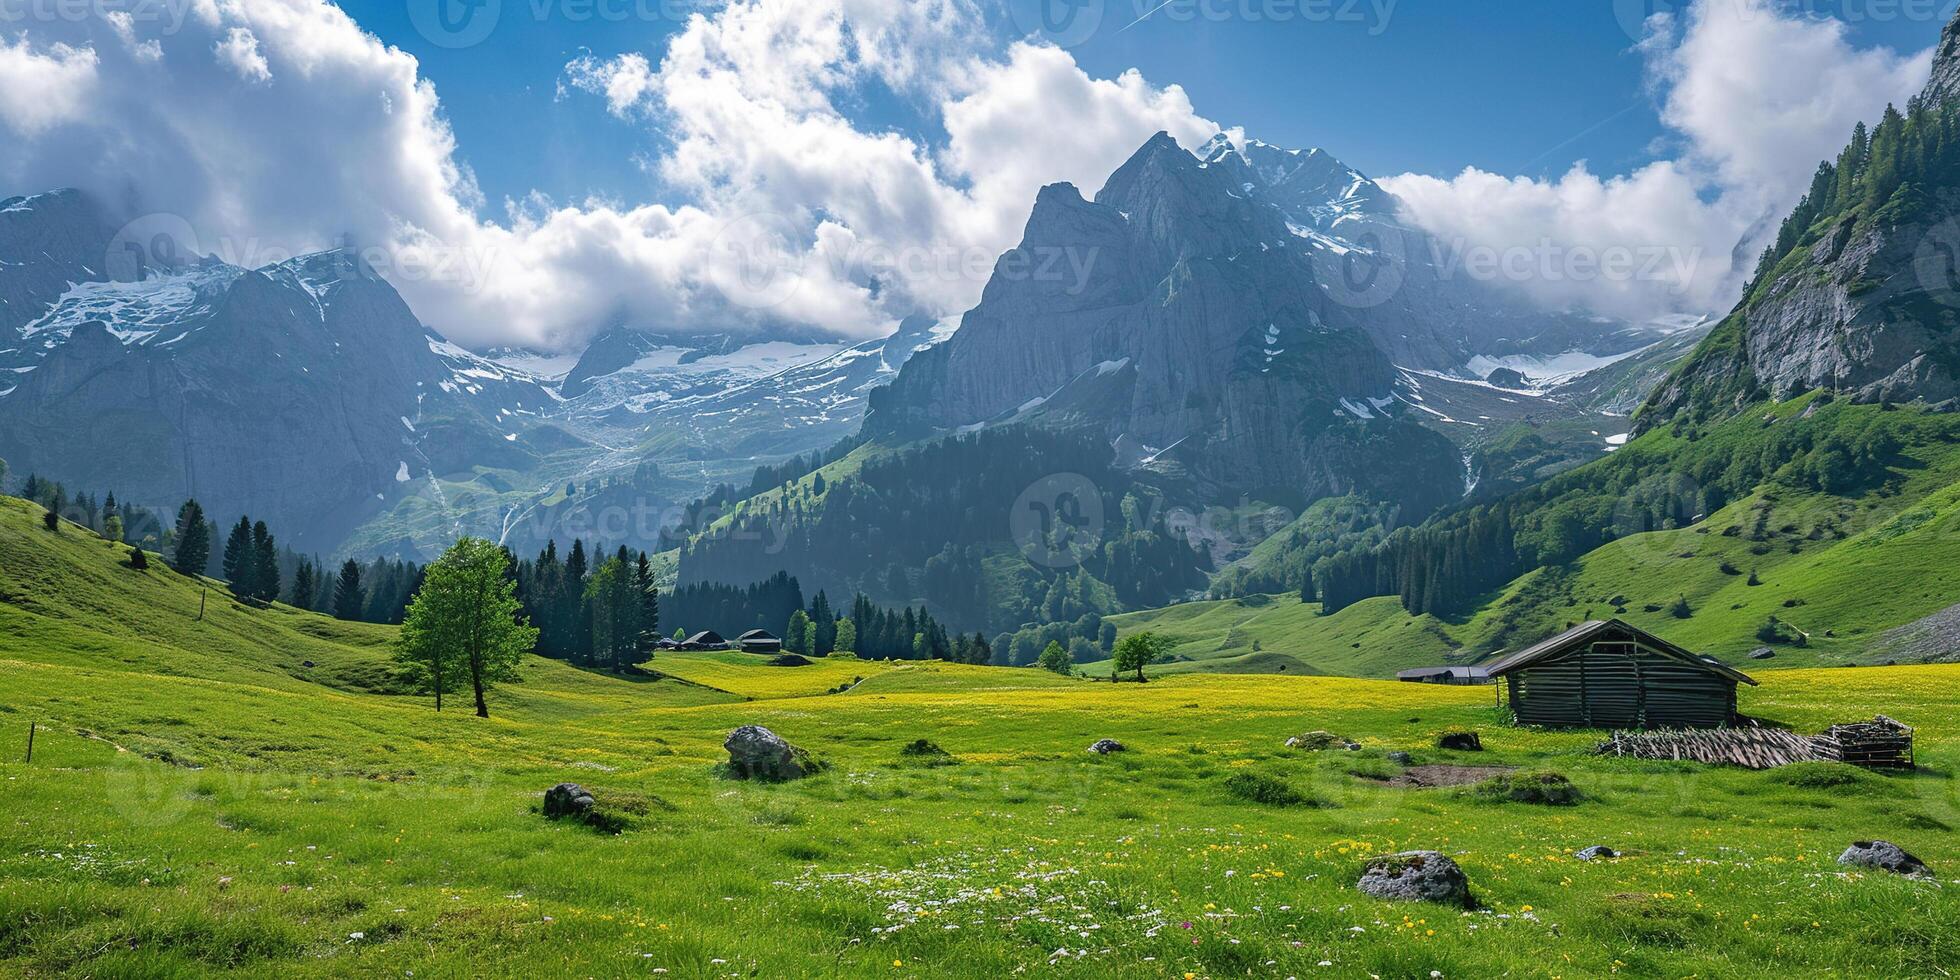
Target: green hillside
(200, 802)
(1837, 568)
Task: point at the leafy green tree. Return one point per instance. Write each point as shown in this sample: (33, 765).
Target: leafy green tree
(796, 634)
(847, 636)
(193, 540)
(347, 596)
(1054, 658)
(1139, 650)
(112, 529)
(466, 619)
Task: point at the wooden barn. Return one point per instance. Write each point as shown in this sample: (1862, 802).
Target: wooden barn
(759, 641)
(1613, 675)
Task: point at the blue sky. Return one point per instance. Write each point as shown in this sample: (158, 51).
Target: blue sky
(1523, 87)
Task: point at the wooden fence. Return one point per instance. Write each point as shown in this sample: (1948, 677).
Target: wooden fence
(1877, 744)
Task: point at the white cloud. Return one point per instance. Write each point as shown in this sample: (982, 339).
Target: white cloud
(239, 51)
(1756, 93)
(790, 216)
(39, 89)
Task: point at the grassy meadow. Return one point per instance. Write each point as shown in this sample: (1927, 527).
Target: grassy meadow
(202, 801)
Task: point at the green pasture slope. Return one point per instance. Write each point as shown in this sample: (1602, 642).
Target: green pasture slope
(1839, 571)
(203, 803)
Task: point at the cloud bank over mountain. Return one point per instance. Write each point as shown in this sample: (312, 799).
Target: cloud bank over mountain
(272, 127)
(278, 126)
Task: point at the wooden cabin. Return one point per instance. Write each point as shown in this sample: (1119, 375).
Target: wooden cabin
(705, 640)
(759, 641)
(1613, 675)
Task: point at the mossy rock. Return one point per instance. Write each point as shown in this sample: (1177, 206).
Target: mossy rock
(1540, 788)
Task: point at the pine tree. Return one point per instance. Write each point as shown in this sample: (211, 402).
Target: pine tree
(305, 585)
(239, 557)
(193, 540)
(265, 564)
(649, 594)
(348, 599)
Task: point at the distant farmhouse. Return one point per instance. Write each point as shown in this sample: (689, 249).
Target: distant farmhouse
(1445, 675)
(759, 641)
(1613, 675)
(705, 640)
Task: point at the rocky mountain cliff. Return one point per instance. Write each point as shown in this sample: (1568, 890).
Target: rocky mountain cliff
(300, 392)
(1861, 293)
(1188, 321)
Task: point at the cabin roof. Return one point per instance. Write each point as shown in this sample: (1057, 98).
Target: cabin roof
(706, 636)
(758, 635)
(1595, 630)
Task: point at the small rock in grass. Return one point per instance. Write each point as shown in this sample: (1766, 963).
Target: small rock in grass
(1460, 742)
(1106, 746)
(1762, 653)
(1315, 741)
(1597, 852)
(755, 752)
(1884, 855)
(1416, 876)
(567, 800)
(1401, 758)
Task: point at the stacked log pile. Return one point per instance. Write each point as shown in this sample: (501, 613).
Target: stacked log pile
(1880, 743)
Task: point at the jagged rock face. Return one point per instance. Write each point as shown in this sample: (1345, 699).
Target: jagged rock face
(1944, 86)
(46, 242)
(1864, 316)
(1177, 313)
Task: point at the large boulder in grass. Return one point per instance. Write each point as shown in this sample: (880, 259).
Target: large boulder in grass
(755, 752)
(1107, 745)
(1460, 742)
(1883, 855)
(1416, 876)
(567, 800)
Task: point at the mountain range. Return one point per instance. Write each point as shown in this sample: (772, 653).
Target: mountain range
(1240, 325)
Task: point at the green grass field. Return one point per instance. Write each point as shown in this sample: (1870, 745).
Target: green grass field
(201, 802)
